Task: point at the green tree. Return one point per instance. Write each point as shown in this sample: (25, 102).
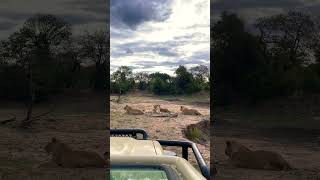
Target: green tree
(289, 36)
(31, 48)
(122, 79)
(201, 73)
(184, 80)
(68, 58)
(142, 79)
(95, 48)
(238, 60)
(161, 83)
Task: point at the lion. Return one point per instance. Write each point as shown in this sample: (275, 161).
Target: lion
(157, 107)
(132, 111)
(243, 157)
(64, 156)
(187, 111)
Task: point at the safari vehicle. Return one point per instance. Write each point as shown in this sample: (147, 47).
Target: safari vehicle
(134, 156)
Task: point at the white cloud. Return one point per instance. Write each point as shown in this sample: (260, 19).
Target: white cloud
(165, 43)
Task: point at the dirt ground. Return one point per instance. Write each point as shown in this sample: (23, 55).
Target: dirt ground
(79, 121)
(161, 127)
(299, 146)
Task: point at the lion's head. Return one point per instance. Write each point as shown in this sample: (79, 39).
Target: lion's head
(126, 107)
(53, 146)
(233, 146)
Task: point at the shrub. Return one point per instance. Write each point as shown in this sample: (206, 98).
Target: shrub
(193, 134)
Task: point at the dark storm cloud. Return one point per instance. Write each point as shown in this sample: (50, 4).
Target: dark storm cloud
(256, 8)
(132, 13)
(312, 9)
(14, 16)
(161, 48)
(6, 25)
(95, 6)
(230, 4)
(75, 19)
(89, 13)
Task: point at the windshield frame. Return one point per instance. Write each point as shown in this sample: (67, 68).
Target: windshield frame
(169, 171)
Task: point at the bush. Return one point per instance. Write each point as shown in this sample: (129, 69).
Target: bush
(159, 86)
(142, 85)
(193, 134)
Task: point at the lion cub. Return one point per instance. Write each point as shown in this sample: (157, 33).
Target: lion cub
(187, 111)
(132, 111)
(157, 107)
(64, 156)
(243, 157)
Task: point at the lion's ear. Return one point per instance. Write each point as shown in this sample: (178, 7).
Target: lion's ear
(54, 139)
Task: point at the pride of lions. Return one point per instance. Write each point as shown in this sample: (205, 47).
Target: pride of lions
(157, 109)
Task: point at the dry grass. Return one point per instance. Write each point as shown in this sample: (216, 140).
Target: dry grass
(78, 121)
(304, 159)
(298, 145)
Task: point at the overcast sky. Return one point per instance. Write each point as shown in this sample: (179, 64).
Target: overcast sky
(250, 10)
(82, 14)
(159, 35)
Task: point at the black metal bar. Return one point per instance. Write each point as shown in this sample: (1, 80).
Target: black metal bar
(129, 132)
(185, 153)
(185, 145)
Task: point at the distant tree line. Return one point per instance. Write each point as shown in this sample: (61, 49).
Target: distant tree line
(185, 81)
(43, 58)
(277, 56)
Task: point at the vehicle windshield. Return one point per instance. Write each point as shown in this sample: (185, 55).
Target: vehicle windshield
(138, 174)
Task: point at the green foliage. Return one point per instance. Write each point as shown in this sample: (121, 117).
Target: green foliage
(160, 86)
(142, 79)
(158, 83)
(184, 81)
(122, 80)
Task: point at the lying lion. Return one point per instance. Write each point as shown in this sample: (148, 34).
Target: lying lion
(243, 157)
(157, 107)
(132, 111)
(64, 156)
(187, 111)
